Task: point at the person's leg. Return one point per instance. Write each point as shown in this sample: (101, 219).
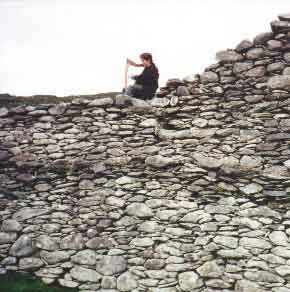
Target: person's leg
(137, 91)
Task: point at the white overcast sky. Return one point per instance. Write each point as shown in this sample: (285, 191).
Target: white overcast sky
(67, 47)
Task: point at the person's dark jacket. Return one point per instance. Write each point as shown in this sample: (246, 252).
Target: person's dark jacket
(149, 81)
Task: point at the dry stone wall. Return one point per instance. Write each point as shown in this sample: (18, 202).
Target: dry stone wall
(188, 192)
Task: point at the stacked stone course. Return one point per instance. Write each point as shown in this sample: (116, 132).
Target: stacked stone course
(186, 193)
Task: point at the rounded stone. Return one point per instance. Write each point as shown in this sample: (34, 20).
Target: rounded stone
(244, 46)
(189, 280)
(58, 109)
(252, 188)
(126, 282)
(3, 112)
(263, 38)
(255, 53)
(182, 91)
(208, 77)
(142, 242)
(229, 56)
(139, 210)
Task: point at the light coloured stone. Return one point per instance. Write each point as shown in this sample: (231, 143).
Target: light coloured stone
(189, 280)
(126, 282)
(111, 265)
(139, 210)
(85, 257)
(85, 275)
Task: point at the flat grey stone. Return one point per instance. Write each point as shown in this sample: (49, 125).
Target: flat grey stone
(85, 275)
(263, 276)
(7, 237)
(30, 264)
(159, 161)
(139, 210)
(85, 257)
(247, 286)
(73, 241)
(46, 242)
(254, 243)
(27, 213)
(55, 257)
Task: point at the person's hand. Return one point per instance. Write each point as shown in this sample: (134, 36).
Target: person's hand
(129, 61)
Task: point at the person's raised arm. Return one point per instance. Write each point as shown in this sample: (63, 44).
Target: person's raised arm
(130, 62)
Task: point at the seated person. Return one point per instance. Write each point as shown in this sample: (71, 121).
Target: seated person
(147, 82)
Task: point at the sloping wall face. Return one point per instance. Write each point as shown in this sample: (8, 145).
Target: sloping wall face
(187, 192)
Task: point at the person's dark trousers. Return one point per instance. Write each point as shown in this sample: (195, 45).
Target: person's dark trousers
(138, 91)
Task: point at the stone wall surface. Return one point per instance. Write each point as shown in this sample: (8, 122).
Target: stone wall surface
(186, 192)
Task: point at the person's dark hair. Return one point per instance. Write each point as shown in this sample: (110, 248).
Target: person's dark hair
(147, 57)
